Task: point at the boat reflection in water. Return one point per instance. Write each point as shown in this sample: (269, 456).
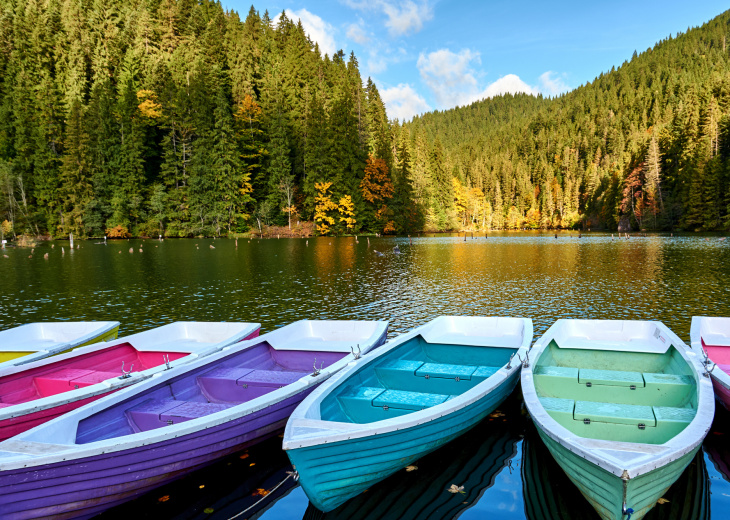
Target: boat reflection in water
(473, 460)
(219, 491)
(550, 495)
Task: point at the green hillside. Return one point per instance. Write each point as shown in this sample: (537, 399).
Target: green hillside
(180, 118)
(177, 117)
(645, 144)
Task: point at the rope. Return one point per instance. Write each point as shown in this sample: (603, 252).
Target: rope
(289, 474)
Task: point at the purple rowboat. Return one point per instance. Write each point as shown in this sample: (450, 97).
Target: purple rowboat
(175, 422)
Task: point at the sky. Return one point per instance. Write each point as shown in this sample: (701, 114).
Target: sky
(426, 55)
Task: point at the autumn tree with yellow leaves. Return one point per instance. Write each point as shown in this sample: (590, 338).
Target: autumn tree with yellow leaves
(323, 206)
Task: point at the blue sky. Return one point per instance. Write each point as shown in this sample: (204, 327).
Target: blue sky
(436, 54)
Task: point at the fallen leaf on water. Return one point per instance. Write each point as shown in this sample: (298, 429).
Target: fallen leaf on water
(261, 492)
(465, 503)
(244, 456)
(662, 501)
(208, 510)
(252, 464)
(164, 499)
(496, 414)
(456, 489)
(411, 468)
(201, 486)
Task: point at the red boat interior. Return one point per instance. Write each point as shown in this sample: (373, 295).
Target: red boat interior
(78, 372)
(719, 355)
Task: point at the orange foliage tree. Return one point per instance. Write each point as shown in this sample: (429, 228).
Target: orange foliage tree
(376, 188)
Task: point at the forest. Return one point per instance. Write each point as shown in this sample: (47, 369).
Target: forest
(180, 118)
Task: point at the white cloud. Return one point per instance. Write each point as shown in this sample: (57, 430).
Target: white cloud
(403, 102)
(449, 75)
(552, 86)
(452, 79)
(404, 16)
(357, 34)
(408, 16)
(509, 84)
(318, 30)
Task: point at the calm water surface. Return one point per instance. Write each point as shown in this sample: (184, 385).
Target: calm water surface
(505, 470)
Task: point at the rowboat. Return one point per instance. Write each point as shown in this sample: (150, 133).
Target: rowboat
(36, 392)
(414, 395)
(34, 341)
(550, 495)
(174, 422)
(622, 436)
(711, 338)
(421, 492)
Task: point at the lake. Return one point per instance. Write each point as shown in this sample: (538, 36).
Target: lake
(506, 471)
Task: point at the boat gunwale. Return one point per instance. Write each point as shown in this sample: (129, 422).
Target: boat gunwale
(654, 455)
(104, 328)
(338, 431)
(21, 445)
(116, 383)
(695, 335)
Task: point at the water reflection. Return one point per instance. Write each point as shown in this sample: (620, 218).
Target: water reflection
(472, 461)
(220, 491)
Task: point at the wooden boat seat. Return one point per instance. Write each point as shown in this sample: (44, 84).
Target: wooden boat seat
(270, 378)
(610, 377)
(636, 388)
(408, 400)
(241, 384)
(156, 413)
(560, 409)
(614, 413)
(430, 377)
(446, 371)
(68, 379)
(673, 419)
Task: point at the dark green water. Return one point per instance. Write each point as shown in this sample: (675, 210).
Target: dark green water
(275, 282)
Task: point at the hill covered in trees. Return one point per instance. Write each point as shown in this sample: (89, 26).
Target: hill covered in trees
(646, 145)
(178, 117)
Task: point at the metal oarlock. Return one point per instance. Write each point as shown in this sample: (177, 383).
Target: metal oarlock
(317, 371)
(126, 373)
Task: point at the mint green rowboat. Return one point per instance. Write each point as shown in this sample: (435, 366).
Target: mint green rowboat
(623, 407)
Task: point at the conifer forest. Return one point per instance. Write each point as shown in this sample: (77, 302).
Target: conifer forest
(181, 118)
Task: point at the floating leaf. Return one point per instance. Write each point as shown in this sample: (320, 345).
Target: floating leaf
(164, 499)
(496, 414)
(244, 456)
(252, 464)
(456, 489)
(208, 510)
(201, 486)
(261, 492)
(411, 468)
(662, 501)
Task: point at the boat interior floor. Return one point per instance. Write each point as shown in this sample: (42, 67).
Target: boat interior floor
(632, 406)
(415, 376)
(207, 390)
(79, 372)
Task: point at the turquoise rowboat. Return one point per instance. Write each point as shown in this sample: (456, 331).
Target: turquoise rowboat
(408, 398)
(623, 406)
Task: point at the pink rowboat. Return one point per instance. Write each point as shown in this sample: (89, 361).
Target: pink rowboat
(711, 336)
(36, 392)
